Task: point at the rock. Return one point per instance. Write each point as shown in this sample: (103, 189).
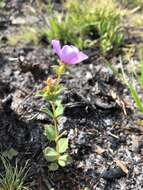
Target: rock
(81, 138)
(88, 75)
(18, 20)
(112, 174)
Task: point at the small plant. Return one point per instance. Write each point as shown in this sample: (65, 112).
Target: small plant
(13, 177)
(57, 155)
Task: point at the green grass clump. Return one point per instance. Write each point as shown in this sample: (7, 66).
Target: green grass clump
(134, 81)
(83, 23)
(13, 177)
(86, 23)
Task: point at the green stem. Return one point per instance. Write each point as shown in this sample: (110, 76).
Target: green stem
(55, 119)
(55, 124)
(60, 135)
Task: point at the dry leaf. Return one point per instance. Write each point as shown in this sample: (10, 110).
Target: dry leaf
(18, 20)
(119, 101)
(99, 150)
(122, 165)
(114, 95)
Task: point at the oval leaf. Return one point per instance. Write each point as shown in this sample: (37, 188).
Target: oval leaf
(51, 154)
(62, 163)
(62, 145)
(50, 132)
(64, 160)
(59, 110)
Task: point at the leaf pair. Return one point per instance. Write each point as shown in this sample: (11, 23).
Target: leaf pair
(62, 161)
(58, 155)
(61, 147)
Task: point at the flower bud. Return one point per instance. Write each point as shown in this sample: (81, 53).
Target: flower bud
(51, 82)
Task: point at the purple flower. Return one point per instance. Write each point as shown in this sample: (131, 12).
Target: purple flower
(68, 54)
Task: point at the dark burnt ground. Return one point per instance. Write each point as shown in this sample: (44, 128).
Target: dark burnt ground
(101, 128)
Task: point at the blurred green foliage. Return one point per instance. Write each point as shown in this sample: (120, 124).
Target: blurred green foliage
(88, 23)
(13, 177)
(2, 3)
(83, 23)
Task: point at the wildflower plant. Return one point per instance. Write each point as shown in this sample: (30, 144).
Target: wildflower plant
(57, 155)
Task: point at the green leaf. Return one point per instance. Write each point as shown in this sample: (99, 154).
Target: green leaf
(51, 154)
(46, 110)
(62, 163)
(62, 145)
(59, 110)
(60, 88)
(50, 132)
(136, 97)
(53, 166)
(64, 160)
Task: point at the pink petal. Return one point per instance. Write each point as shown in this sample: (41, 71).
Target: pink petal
(57, 47)
(76, 50)
(80, 57)
(68, 54)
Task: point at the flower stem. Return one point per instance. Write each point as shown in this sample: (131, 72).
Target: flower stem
(54, 118)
